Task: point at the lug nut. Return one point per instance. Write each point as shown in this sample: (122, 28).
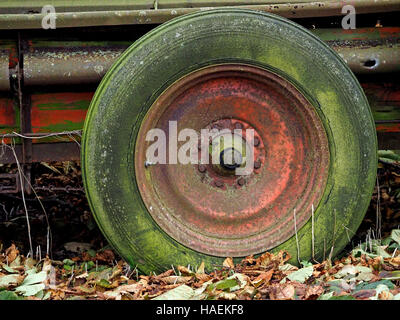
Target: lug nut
(257, 164)
(241, 181)
(238, 125)
(256, 142)
(202, 168)
(219, 184)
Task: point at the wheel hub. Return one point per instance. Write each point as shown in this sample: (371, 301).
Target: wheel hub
(230, 158)
(229, 146)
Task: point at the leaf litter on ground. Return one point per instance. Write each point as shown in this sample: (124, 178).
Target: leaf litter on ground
(361, 275)
(371, 271)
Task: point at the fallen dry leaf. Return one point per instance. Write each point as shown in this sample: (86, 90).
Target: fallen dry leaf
(263, 278)
(12, 253)
(228, 263)
(176, 279)
(105, 256)
(281, 292)
(313, 292)
(185, 271)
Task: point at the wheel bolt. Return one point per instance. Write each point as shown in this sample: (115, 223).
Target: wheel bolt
(256, 142)
(241, 181)
(202, 168)
(257, 164)
(219, 184)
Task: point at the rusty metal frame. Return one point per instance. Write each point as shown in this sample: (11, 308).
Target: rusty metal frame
(30, 70)
(101, 15)
(25, 119)
(16, 187)
(44, 152)
(49, 63)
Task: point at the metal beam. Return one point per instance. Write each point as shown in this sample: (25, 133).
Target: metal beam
(368, 50)
(44, 152)
(74, 15)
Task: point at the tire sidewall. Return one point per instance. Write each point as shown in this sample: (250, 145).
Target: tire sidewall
(198, 40)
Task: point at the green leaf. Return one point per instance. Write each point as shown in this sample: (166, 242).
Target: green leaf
(380, 251)
(377, 250)
(363, 269)
(387, 241)
(287, 267)
(40, 294)
(32, 284)
(182, 292)
(226, 284)
(347, 270)
(8, 269)
(390, 275)
(34, 278)
(394, 246)
(47, 296)
(326, 296)
(8, 295)
(241, 281)
(301, 275)
(395, 235)
(87, 265)
(68, 262)
(388, 156)
(104, 283)
(379, 289)
(29, 263)
(306, 263)
(16, 262)
(234, 282)
(88, 289)
(365, 276)
(30, 290)
(8, 280)
(373, 285)
(67, 267)
(336, 285)
(342, 298)
(91, 253)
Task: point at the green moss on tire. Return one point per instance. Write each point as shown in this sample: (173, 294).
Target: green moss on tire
(193, 41)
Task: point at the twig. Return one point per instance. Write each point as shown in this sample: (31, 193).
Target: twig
(347, 232)
(39, 136)
(378, 211)
(23, 197)
(173, 269)
(334, 235)
(312, 234)
(49, 233)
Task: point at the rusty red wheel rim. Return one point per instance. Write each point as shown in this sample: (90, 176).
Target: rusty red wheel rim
(226, 215)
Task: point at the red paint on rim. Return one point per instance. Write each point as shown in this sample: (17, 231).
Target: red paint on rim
(233, 221)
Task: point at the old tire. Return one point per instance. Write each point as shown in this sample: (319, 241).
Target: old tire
(230, 37)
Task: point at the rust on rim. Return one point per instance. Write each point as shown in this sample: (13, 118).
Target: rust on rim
(224, 214)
